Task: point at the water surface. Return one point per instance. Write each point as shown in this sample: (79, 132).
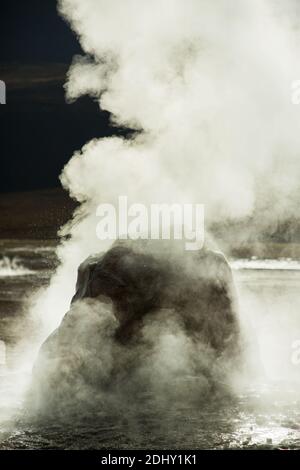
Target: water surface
(264, 412)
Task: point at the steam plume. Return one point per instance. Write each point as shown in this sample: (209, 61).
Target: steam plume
(206, 86)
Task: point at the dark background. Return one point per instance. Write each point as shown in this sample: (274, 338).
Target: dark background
(39, 131)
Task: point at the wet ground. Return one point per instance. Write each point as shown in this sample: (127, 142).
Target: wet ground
(264, 412)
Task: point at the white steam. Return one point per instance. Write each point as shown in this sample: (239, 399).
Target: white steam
(206, 84)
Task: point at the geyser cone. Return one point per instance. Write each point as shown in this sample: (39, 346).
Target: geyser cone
(142, 318)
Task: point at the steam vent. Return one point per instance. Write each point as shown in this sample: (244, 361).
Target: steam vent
(124, 300)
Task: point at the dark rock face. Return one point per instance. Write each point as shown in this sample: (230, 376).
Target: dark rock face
(145, 315)
(140, 278)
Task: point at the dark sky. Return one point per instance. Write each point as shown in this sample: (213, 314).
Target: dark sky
(39, 131)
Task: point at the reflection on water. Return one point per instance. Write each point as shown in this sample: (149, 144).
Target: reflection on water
(12, 267)
(251, 420)
(287, 264)
(265, 413)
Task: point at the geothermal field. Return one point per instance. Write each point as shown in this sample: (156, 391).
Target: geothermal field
(149, 226)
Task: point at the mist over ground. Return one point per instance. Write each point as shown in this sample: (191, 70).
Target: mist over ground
(205, 90)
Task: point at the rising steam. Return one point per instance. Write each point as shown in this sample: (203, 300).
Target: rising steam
(205, 85)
